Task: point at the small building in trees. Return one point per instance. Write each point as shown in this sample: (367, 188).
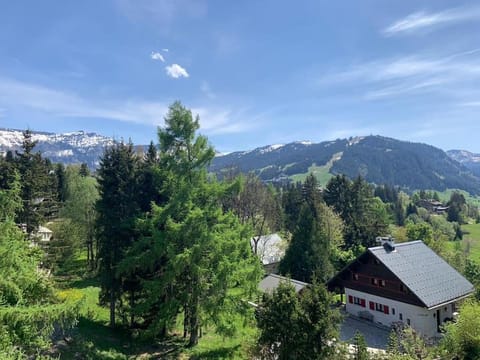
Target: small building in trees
(402, 283)
(271, 282)
(270, 249)
(433, 206)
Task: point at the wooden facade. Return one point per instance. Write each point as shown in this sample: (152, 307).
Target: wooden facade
(368, 275)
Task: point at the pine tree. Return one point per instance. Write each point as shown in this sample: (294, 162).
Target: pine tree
(36, 189)
(117, 209)
(317, 234)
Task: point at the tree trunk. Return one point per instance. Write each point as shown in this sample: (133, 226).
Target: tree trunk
(185, 322)
(194, 322)
(132, 304)
(112, 309)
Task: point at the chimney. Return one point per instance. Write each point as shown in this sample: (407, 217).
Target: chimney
(388, 242)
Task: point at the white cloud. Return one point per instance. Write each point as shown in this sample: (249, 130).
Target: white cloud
(176, 71)
(157, 56)
(165, 50)
(422, 20)
(471, 104)
(410, 74)
(39, 99)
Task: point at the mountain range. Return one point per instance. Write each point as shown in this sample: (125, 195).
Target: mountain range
(378, 159)
(67, 148)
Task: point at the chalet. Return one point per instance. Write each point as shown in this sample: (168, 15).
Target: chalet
(402, 283)
(270, 282)
(270, 249)
(433, 206)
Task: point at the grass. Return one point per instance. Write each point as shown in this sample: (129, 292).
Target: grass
(94, 339)
(321, 173)
(470, 242)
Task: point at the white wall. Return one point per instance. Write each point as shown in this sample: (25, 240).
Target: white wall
(421, 319)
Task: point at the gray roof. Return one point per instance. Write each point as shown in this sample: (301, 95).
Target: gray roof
(271, 282)
(425, 273)
(270, 248)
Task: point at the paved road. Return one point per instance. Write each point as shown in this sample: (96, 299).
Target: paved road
(374, 336)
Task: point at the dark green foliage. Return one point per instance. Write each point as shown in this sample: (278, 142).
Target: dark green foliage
(117, 210)
(317, 234)
(295, 326)
(192, 257)
(365, 217)
(38, 186)
(456, 207)
(84, 170)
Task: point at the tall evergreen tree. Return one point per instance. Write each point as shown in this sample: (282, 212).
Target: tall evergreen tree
(317, 234)
(36, 188)
(117, 209)
(195, 252)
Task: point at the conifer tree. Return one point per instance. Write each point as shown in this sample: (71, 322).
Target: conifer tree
(318, 233)
(117, 209)
(195, 252)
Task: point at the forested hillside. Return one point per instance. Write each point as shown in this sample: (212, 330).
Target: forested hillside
(378, 159)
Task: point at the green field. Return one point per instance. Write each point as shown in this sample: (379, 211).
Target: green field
(471, 241)
(93, 339)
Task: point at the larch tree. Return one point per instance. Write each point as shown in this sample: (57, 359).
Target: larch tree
(195, 253)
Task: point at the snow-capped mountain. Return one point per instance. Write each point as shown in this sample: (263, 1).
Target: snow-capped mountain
(467, 158)
(67, 148)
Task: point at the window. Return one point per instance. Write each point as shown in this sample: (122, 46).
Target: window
(403, 289)
(408, 322)
(376, 262)
(393, 311)
(359, 301)
(382, 283)
(372, 305)
(400, 316)
(355, 276)
(379, 307)
(374, 281)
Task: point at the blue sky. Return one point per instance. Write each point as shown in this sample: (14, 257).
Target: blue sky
(257, 72)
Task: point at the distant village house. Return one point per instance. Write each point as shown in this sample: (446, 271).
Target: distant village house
(270, 249)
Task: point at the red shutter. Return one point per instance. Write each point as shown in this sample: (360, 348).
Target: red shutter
(372, 305)
(350, 299)
(385, 309)
(362, 302)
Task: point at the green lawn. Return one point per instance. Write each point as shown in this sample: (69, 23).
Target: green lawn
(93, 339)
(471, 241)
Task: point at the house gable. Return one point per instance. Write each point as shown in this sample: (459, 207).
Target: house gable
(368, 275)
(411, 272)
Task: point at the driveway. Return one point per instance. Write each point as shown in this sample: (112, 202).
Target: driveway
(376, 337)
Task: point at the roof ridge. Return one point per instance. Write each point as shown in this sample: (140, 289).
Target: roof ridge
(287, 278)
(397, 244)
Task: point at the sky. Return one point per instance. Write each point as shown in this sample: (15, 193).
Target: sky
(256, 72)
